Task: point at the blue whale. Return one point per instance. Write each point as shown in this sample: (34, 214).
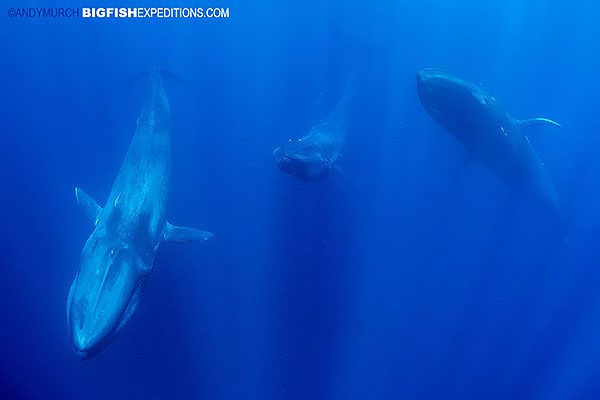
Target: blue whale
(311, 157)
(492, 136)
(119, 255)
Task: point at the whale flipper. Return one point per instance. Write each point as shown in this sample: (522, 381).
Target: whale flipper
(88, 205)
(535, 122)
(184, 234)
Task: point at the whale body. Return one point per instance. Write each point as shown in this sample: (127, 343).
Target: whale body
(118, 257)
(311, 157)
(492, 136)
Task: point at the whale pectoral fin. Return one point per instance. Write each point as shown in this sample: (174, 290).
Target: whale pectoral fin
(184, 234)
(69, 303)
(537, 122)
(88, 205)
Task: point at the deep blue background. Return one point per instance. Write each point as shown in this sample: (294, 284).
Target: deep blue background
(405, 275)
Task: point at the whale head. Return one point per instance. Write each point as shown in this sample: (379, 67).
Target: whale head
(440, 91)
(457, 105)
(104, 294)
(302, 159)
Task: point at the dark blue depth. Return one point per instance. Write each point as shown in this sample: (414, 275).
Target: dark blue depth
(406, 274)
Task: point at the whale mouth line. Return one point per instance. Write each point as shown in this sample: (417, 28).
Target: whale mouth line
(290, 157)
(286, 157)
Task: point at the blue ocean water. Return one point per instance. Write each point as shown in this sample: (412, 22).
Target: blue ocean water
(404, 274)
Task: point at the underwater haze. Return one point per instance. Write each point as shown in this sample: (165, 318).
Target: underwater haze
(409, 272)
